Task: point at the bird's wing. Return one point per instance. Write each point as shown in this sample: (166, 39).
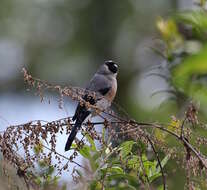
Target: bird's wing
(98, 83)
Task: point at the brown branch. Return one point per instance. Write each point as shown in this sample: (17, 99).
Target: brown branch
(128, 126)
(138, 124)
(202, 159)
(158, 160)
(55, 152)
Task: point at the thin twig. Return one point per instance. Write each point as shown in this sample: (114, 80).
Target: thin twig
(182, 128)
(158, 160)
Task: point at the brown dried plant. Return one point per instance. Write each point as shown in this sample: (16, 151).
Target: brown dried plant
(17, 142)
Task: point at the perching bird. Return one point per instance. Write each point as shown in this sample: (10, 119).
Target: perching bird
(104, 84)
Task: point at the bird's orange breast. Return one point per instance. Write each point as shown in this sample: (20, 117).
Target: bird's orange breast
(112, 93)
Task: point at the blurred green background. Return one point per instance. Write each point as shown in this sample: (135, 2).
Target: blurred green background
(65, 41)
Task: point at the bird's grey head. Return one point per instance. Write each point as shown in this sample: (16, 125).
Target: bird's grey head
(108, 68)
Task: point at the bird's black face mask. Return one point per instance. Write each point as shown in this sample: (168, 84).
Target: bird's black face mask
(112, 66)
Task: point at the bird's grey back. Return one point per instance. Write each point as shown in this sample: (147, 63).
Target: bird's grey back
(99, 82)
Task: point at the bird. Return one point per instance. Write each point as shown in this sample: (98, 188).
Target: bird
(104, 85)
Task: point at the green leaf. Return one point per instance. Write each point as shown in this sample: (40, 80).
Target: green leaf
(150, 168)
(113, 170)
(50, 170)
(155, 168)
(96, 155)
(42, 163)
(38, 181)
(95, 185)
(126, 148)
(94, 164)
(38, 148)
(116, 169)
(160, 187)
(153, 177)
(132, 180)
(133, 162)
(196, 19)
(185, 77)
(56, 179)
(165, 160)
(85, 152)
(48, 179)
(92, 143)
(74, 146)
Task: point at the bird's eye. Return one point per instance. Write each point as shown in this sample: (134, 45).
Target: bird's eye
(112, 66)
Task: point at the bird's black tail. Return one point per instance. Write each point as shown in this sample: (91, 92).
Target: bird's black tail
(75, 129)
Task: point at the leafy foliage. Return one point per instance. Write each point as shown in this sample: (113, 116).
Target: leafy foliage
(186, 63)
(44, 177)
(119, 167)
